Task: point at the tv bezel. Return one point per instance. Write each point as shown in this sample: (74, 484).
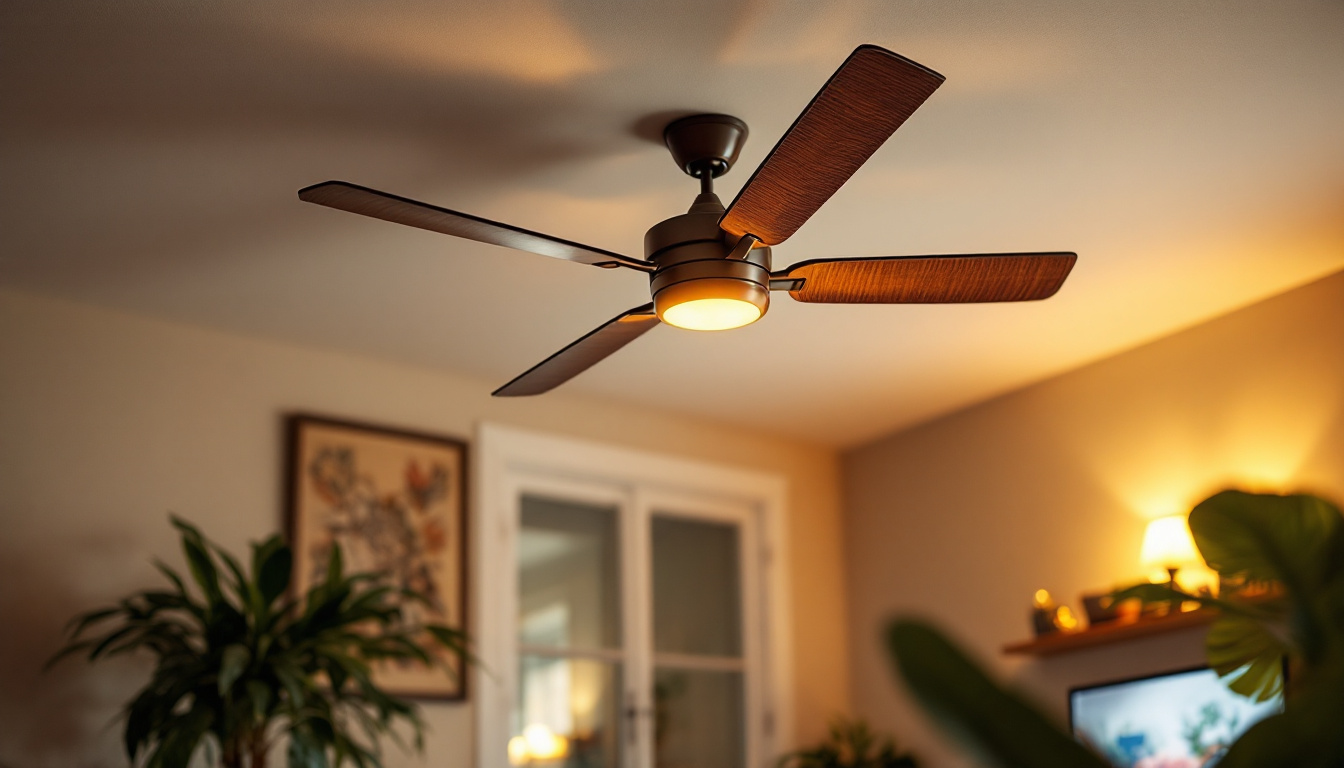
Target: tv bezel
(1283, 672)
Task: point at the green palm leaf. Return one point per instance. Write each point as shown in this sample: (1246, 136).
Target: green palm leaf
(996, 724)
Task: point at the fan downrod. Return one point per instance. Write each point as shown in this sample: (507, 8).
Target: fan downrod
(705, 146)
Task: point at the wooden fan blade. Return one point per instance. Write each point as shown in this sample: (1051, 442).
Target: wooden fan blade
(928, 279)
(863, 103)
(412, 213)
(582, 354)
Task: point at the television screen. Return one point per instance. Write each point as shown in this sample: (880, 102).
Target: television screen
(1177, 720)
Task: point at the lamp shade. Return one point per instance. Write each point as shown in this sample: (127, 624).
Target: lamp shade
(1168, 544)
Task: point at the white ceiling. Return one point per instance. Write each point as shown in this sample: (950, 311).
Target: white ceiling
(1190, 152)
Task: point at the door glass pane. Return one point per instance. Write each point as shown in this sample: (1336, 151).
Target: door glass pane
(568, 714)
(698, 718)
(696, 592)
(568, 575)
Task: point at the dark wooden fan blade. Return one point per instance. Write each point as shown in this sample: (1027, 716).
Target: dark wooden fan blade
(863, 103)
(582, 354)
(412, 213)
(928, 279)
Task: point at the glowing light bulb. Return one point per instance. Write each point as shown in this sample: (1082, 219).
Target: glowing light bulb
(712, 314)
(1167, 544)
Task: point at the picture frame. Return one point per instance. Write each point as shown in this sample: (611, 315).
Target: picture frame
(395, 501)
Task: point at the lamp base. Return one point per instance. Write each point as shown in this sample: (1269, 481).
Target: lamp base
(1174, 604)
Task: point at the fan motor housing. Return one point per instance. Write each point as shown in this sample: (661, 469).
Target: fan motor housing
(691, 261)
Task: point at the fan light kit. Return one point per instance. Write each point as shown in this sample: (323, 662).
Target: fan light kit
(710, 268)
(716, 313)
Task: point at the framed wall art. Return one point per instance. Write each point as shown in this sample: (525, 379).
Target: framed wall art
(395, 502)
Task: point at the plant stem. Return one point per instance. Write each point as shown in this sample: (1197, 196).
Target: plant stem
(259, 746)
(232, 756)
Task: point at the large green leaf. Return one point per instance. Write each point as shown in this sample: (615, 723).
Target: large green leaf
(181, 737)
(249, 597)
(455, 642)
(171, 575)
(334, 565)
(69, 650)
(450, 638)
(142, 715)
(1248, 654)
(305, 750)
(85, 620)
(111, 638)
(1267, 537)
(199, 561)
(1296, 542)
(261, 697)
(348, 749)
(292, 682)
(272, 567)
(994, 723)
(1307, 735)
(233, 663)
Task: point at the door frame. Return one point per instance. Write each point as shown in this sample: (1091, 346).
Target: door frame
(505, 455)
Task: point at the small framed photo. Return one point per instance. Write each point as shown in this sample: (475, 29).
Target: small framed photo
(395, 502)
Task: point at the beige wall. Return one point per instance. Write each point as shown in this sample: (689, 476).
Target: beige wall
(963, 518)
(109, 421)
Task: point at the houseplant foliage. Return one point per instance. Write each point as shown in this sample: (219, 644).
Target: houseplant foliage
(1293, 546)
(851, 744)
(241, 664)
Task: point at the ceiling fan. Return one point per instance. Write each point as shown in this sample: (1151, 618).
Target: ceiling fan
(710, 268)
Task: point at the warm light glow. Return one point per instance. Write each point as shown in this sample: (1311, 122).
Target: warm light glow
(518, 754)
(712, 314)
(1043, 599)
(1166, 460)
(1167, 544)
(538, 743)
(1065, 620)
(1199, 578)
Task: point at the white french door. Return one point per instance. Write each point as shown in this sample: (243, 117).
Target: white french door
(627, 616)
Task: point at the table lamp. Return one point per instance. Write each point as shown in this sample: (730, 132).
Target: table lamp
(1167, 544)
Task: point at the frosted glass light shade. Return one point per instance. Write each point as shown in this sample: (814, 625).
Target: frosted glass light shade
(1167, 543)
(712, 314)
(711, 304)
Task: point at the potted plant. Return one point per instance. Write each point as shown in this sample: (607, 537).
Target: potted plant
(1292, 546)
(241, 664)
(851, 744)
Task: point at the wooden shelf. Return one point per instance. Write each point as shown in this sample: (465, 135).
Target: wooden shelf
(1105, 634)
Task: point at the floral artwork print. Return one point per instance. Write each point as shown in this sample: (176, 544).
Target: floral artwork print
(394, 503)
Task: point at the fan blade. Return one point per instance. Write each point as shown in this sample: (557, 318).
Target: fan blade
(927, 279)
(412, 213)
(863, 103)
(582, 354)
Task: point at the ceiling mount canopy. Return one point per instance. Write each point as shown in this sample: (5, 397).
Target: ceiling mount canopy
(710, 268)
